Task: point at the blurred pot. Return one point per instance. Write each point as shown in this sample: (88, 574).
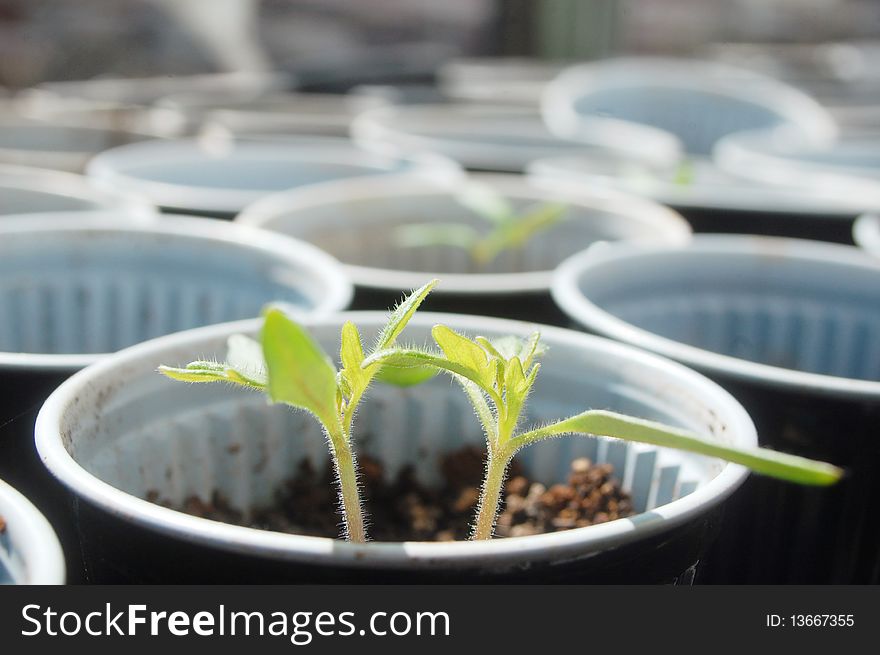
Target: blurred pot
(501, 138)
(220, 177)
(29, 550)
(25, 190)
(792, 329)
(73, 290)
(713, 200)
(359, 222)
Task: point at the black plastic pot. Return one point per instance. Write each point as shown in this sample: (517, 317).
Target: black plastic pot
(792, 329)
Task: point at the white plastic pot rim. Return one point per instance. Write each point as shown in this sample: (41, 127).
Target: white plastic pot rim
(337, 295)
(866, 233)
(560, 96)
(423, 555)
(31, 533)
(263, 213)
(109, 169)
(568, 297)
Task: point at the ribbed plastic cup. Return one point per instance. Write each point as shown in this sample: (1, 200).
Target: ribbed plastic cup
(75, 288)
(359, 223)
(127, 441)
(792, 329)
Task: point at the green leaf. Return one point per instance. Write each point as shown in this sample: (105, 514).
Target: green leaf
(401, 315)
(204, 371)
(465, 352)
(760, 460)
(412, 358)
(419, 235)
(300, 373)
(484, 201)
(515, 233)
(351, 353)
(408, 376)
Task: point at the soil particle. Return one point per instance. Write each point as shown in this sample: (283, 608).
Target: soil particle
(403, 509)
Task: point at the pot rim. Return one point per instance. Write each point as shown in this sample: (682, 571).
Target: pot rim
(69, 185)
(384, 129)
(271, 208)
(422, 555)
(110, 168)
(319, 265)
(686, 74)
(866, 233)
(835, 198)
(44, 559)
(569, 298)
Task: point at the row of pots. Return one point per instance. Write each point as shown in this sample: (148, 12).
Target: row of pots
(799, 307)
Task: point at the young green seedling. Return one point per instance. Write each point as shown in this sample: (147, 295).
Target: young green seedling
(509, 230)
(290, 367)
(497, 377)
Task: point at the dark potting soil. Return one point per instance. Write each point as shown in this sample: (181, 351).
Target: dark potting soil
(403, 509)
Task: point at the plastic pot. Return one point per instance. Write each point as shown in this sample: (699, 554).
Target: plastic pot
(784, 156)
(358, 222)
(507, 80)
(42, 144)
(118, 433)
(697, 101)
(317, 114)
(29, 550)
(715, 201)
(866, 233)
(25, 190)
(73, 290)
(791, 329)
(218, 178)
(147, 90)
(501, 138)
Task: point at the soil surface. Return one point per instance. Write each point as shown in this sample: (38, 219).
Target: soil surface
(403, 509)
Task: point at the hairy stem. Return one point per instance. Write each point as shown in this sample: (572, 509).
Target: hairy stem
(349, 494)
(490, 494)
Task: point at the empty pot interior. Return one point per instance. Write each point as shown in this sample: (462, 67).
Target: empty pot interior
(52, 138)
(254, 174)
(811, 316)
(96, 291)
(368, 231)
(165, 441)
(15, 200)
(699, 119)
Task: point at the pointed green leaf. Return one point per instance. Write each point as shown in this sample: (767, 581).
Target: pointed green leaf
(412, 358)
(408, 376)
(462, 350)
(515, 233)
(760, 460)
(300, 373)
(196, 372)
(351, 353)
(398, 319)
